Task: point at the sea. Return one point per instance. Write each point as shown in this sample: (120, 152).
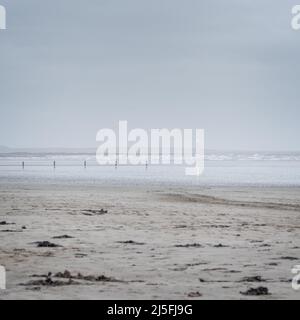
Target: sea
(221, 169)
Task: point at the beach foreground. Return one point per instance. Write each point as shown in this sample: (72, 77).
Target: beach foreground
(102, 242)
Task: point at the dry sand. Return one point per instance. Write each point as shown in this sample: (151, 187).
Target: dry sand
(152, 243)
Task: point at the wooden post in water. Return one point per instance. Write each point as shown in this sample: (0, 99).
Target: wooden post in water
(84, 164)
(146, 165)
(54, 164)
(116, 165)
(23, 164)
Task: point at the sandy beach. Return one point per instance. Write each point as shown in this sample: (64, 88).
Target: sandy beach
(60, 241)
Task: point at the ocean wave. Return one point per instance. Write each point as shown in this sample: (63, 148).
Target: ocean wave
(225, 156)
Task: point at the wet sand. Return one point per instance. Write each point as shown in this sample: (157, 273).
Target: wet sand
(96, 242)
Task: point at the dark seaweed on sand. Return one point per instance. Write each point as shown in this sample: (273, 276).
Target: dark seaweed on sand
(260, 291)
(46, 244)
(189, 245)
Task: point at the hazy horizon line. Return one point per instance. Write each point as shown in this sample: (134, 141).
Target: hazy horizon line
(13, 150)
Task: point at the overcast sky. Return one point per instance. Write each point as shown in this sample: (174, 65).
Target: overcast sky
(69, 68)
